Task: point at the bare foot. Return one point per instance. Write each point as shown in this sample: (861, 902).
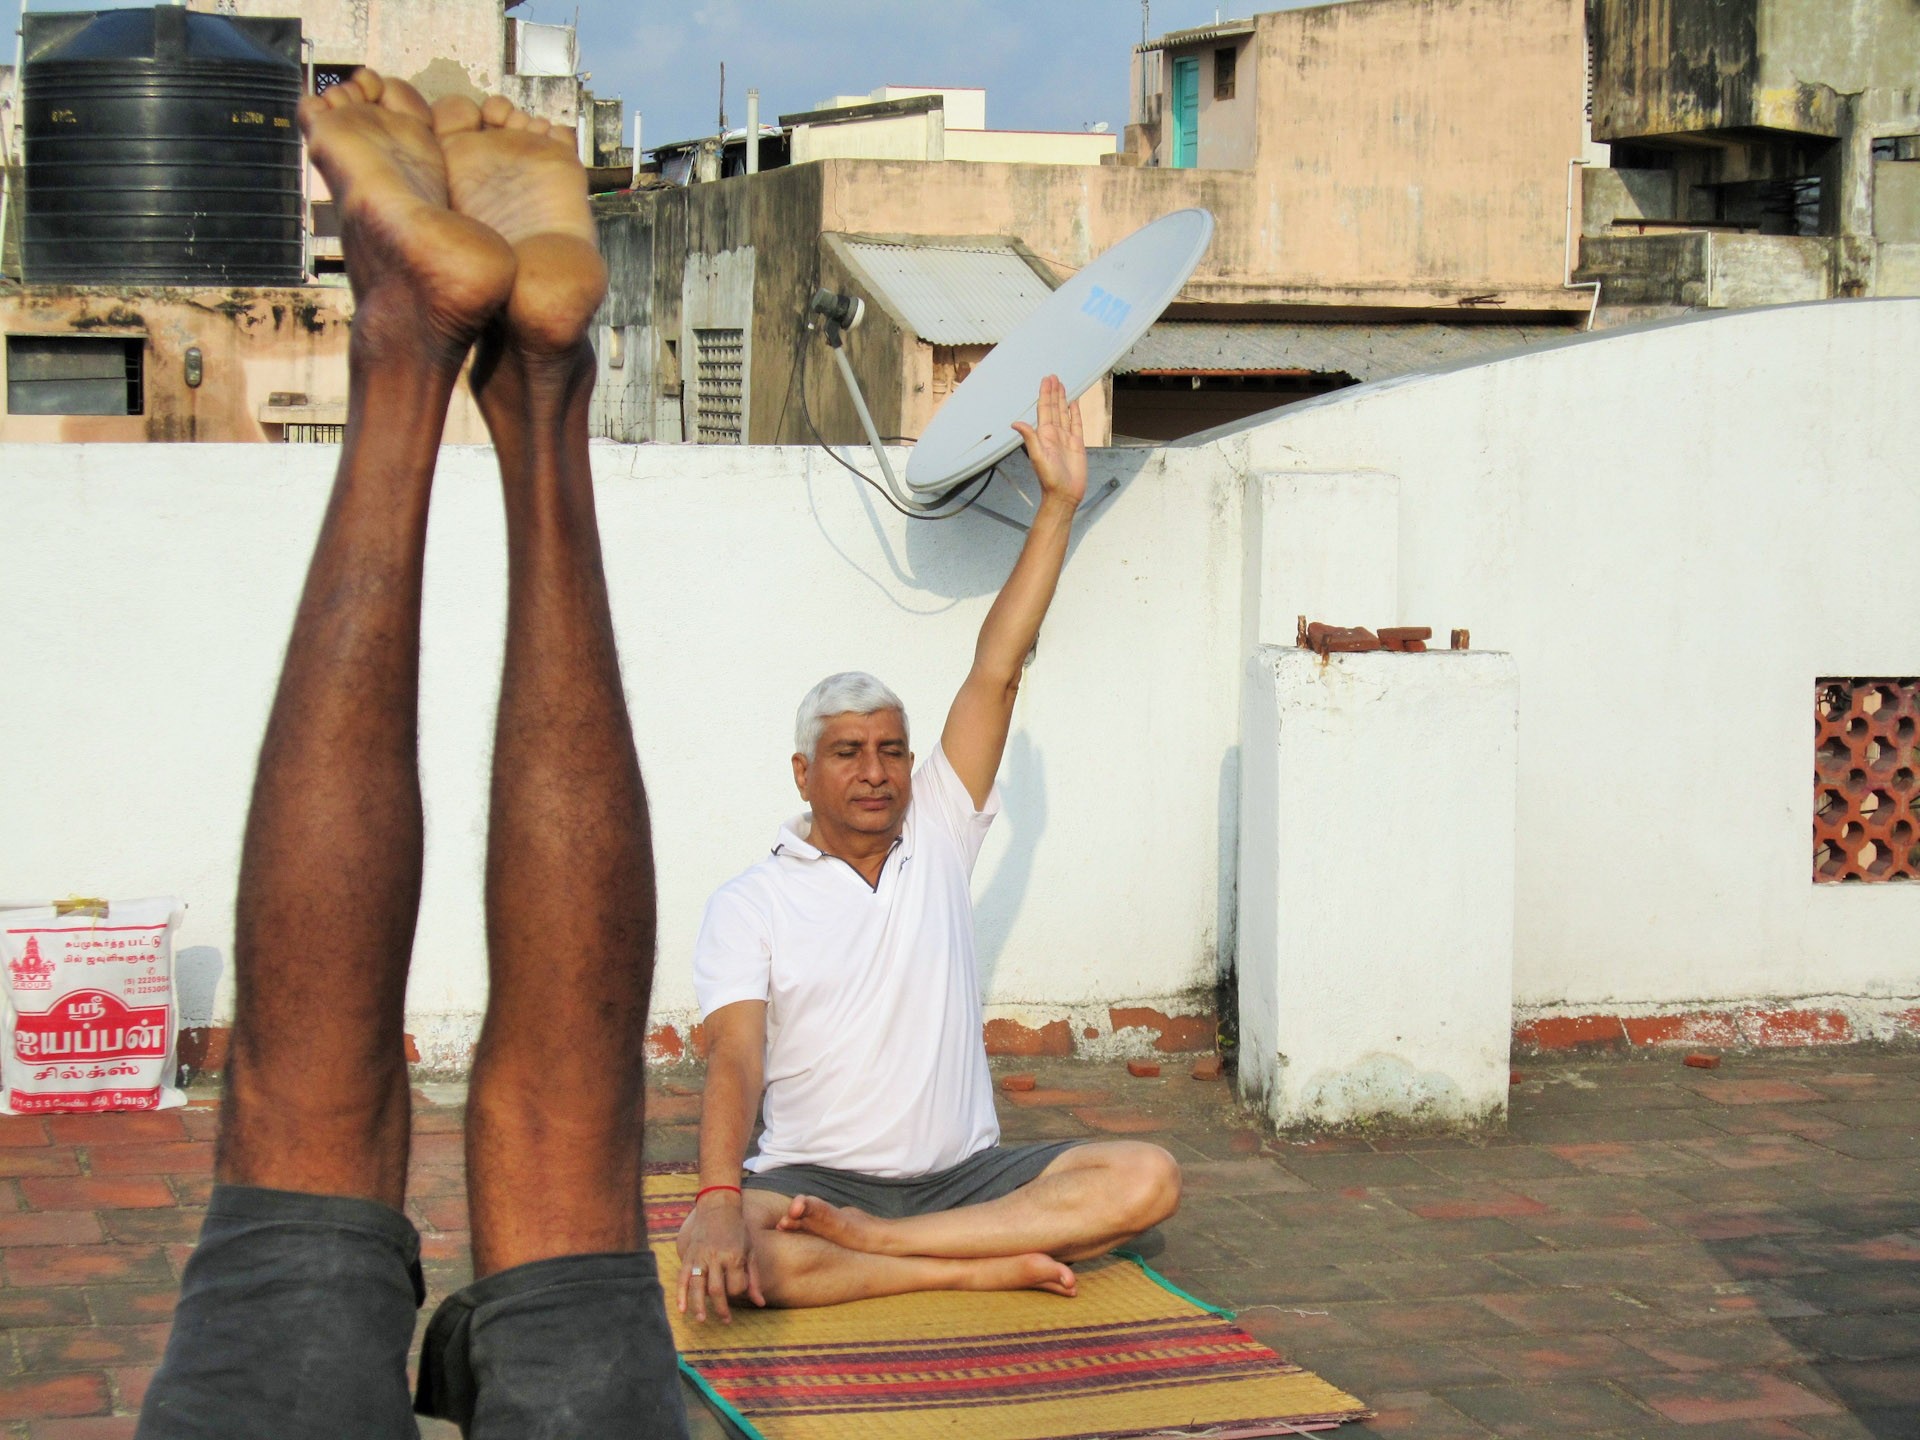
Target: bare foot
(410, 258)
(1021, 1272)
(522, 178)
(845, 1226)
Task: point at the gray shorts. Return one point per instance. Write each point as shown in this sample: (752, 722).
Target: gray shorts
(296, 1313)
(985, 1175)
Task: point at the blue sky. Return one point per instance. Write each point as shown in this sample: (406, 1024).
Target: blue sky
(1046, 64)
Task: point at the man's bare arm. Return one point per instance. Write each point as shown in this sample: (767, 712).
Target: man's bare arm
(982, 713)
(715, 1237)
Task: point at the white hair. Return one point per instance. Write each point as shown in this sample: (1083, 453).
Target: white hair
(851, 692)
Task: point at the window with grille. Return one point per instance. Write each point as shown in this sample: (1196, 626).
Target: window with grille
(1866, 811)
(74, 375)
(1223, 67)
(719, 384)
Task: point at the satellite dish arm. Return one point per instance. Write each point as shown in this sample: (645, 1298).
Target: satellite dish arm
(841, 313)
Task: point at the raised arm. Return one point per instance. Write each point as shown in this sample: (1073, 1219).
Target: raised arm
(982, 712)
(715, 1236)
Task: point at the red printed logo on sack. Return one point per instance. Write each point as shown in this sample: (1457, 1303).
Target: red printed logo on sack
(92, 1025)
(30, 969)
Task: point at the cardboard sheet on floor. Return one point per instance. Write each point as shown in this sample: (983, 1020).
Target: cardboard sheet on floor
(1130, 1355)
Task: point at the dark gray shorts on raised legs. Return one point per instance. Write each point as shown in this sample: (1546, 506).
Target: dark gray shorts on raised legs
(296, 1313)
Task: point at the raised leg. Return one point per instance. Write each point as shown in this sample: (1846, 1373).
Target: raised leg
(554, 1110)
(1088, 1200)
(316, 1095)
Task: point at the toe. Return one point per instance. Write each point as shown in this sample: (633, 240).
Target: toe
(367, 83)
(403, 99)
(454, 115)
(566, 136)
(496, 111)
(517, 120)
(538, 127)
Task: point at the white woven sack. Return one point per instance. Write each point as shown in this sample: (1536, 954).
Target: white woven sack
(89, 1017)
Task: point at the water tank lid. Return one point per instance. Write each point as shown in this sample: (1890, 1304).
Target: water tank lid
(170, 34)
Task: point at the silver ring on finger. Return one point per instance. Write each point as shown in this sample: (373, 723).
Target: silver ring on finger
(696, 1272)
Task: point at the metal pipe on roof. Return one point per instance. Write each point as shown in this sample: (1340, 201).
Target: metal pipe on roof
(753, 132)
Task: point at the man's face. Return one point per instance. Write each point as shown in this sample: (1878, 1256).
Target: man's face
(861, 774)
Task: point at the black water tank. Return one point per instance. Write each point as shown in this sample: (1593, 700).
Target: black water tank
(161, 149)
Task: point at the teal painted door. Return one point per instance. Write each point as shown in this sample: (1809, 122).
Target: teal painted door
(1186, 113)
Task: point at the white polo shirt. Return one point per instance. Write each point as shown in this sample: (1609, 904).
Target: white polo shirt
(874, 1056)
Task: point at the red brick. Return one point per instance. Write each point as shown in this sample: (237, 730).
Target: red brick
(455, 1245)
(1142, 1069)
(91, 1427)
(49, 1160)
(88, 1192)
(85, 1265)
(1118, 1120)
(1010, 1037)
(664, 1045)
(22, 1309)
(130, 1386)
(1207, 1068)
(668, 1109)
(1491, 1206)
(427, 1181)
(451, 1120)
(1173, 1034)
(1570, 1032)
(1725, 1396)
(442, 1212)
(444, 1149)
(60, 1227)
(152, 1227)
(192, 1189)
(93, 1346)
(18, 1131)
(1059, 1097)
(1756, 1092)
(130, 1304)
(1018, 1084)
(184, 1157)
(1703, 1062)
(203, 1049)
(54, 1396)
(1796, 1027)
(133, 1127)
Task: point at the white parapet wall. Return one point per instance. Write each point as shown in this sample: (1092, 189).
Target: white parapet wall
(1673, 530)
(1376, 887)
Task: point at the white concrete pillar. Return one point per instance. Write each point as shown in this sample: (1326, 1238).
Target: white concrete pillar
(1375, 949)
(1326, 546)
(753, 132)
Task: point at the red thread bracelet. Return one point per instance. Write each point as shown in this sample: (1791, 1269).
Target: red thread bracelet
(708, 1190)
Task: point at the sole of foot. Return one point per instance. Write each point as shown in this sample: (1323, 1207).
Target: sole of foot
(407, 252)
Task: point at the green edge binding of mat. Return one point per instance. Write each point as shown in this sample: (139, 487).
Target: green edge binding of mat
(712, 1397)
(1171, 1288)
(746, 1427)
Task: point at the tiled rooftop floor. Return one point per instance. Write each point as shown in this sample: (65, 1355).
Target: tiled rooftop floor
(1652, 1251)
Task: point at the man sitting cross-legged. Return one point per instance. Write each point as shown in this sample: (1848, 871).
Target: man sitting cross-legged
(837, 982)
(297, 1309)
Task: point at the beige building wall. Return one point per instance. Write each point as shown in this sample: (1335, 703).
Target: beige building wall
(1421, 146)
(254, 345)
(1028, 147)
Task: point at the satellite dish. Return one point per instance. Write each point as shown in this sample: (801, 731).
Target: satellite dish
(1078, 333)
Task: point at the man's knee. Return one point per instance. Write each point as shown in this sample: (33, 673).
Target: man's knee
(1147, 1184)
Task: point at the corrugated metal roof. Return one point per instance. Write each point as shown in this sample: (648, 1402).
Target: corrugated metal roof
(1366, 352)
(1175, 39)
(953, 293)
